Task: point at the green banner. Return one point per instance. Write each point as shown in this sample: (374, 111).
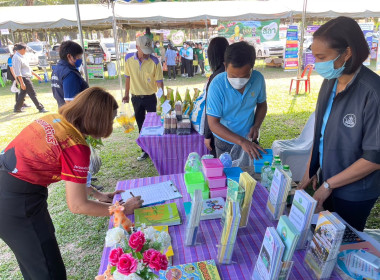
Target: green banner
(236, 31)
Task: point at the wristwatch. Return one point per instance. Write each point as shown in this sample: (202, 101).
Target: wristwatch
(326, 185)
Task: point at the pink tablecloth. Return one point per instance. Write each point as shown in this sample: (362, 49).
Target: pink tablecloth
(249, 239)
(169, 152)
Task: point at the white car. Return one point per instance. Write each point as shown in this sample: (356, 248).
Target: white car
(132, 47)
(31, 56)
(276, 48)
(110, 46)
(5, 53)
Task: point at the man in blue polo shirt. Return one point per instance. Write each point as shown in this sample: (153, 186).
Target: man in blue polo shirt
(236, 102)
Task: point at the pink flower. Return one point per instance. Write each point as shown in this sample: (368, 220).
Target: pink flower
(147, 255)
(127, 264)
(137, 241)
(164, 262)
(115, 254)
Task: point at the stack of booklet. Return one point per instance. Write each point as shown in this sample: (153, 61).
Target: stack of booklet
(193, 219)
(289, 236)
(269, 262)
(213, 208)
(204, 270)
(229, 232)
(248, 184)
(321, 256)
(281, 185)
(166, 214)
(301, 213)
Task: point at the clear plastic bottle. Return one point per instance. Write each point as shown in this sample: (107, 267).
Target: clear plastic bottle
(278, 164)
(275, 158)
(264, 174)
(287, 170)
(270, 177)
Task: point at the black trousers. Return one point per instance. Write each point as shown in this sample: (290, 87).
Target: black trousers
(189, 67)
(26, 227)
(202, 65)
(355, 213)
(171, 68)
(141, 105)
(183, 65)
(32, 94)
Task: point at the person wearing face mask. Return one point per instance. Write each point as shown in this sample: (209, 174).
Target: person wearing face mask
(345, 157)
(143, 73)
(157, 51)
(66, 81)
(236, 102)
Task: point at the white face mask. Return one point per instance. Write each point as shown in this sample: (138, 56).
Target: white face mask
(238, 83)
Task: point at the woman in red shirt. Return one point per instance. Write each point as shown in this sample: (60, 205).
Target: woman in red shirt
(51, 149)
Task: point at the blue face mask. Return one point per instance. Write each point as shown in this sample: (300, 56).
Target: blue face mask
(326, 69)
(78, 63)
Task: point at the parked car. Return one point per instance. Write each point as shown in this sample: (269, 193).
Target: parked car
(53, 55)
(31, 56)
(110, 46)
(5, 52)
(41, 48)
(132, 47)
(276, 48)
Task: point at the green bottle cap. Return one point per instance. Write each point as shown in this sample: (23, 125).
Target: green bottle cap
(266, 163)
(286, 167)
(277, 157)
(273, 168)
(277, 161)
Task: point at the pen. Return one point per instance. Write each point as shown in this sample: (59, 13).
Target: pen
(131, 194)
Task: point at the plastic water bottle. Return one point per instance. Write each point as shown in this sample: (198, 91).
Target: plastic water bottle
(278, 164)
(287, 171)
(264, 174)
(275, 158)
(270, 177)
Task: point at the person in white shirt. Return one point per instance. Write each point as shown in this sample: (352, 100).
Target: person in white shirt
(23, 73)
(189, 56)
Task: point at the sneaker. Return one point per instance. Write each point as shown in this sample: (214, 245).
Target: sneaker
(19, 111)
(175, 79)
(43, 110)
(170, 79)
(26, 105)
(143, 156)
(183, 75)
(99, 188)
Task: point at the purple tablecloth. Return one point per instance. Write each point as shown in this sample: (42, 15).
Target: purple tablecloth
(248, 243)
(169, 152)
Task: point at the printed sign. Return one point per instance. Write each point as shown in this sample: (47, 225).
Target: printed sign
(4, 31)
(259, 31)
(177, 37)
(291, 49)
(213, 21)
(367, 29)
(95, 71)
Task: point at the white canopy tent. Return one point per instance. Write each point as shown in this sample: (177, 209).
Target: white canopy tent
(179, 14)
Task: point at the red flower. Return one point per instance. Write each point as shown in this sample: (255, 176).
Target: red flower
(127, 264)
(147, 255)
(164, 262)
(155, 260)
(137, 241)
(115, 254)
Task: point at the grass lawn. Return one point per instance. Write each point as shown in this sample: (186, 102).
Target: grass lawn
(81, 238)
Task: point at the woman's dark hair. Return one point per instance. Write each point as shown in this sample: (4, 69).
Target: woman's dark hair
(19, 46)
(240, 54)
(69, 47)
(215, 52)
(147, 30)
(343, 32)
(91, 112)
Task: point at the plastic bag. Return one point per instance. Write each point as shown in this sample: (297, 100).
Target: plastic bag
(160, 101)
(196, 94)
(193, 163)
(226, 159)
(170, 96)
(177, 96)
(240, 157)
(126, 119)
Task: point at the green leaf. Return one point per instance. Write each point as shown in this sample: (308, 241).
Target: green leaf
(113, 269)
(139, 255)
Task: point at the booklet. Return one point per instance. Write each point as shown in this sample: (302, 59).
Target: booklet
(289, 236)
(166, 214)
(212, 208)
(204, 270)
(281, 185)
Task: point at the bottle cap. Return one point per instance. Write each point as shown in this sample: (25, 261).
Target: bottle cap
(277, 161)
(286, 167)
(277, 157)
(266, 163)
(273, 168)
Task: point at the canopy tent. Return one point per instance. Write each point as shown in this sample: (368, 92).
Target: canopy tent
(178, 14)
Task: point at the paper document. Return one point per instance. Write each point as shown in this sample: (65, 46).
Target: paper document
(166, 107)
(154, 194)
(152, 131)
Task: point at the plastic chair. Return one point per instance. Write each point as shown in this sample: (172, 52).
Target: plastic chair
(296, 152)
(309, 68)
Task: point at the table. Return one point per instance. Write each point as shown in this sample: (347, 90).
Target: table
(169, 151)
(248, 242)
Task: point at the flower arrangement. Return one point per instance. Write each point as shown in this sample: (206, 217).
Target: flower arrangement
(136, 254)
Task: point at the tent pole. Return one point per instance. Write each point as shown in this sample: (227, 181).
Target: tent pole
(81, 38)
(206, 29)
(115, 35)
(13, 37)
(300, 50)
